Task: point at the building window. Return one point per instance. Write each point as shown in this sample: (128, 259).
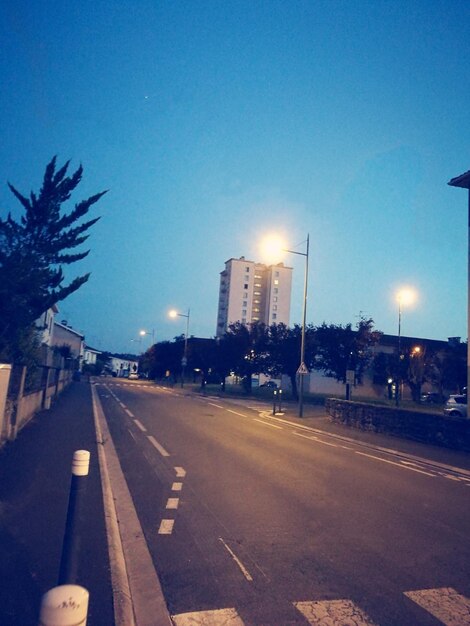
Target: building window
(244, 312)
(244, 303)
(245, 286)
(276, 290)
(274, 307)
(247, 269)
(245, 294)
(247, 277)
(274, 316)
(276, 282)
(276, 274)
(256, 285)
(275, 299)
(243, 320)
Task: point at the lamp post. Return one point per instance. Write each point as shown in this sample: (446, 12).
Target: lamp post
(463, 181)
(184, 360)
(143, 333)
(273, 246)
(404, 297)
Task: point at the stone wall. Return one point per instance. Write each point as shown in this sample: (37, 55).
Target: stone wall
(441, 430)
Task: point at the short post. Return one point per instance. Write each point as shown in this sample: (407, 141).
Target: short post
(274, 401)
(71, 544)
(66, 605)
(280, 400)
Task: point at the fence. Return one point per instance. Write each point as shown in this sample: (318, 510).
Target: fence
(27, 393)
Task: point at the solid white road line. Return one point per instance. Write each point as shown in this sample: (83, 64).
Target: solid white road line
(255, 419)
(243, 569)
(216, 405)
(140, 425)
(235, 413)
(314, 438)
(451, 608)
(334, 612)
(136, 587)
(407, 467)
(159, 447)
(220, 617)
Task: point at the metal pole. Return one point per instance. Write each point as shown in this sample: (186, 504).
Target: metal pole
(302, 345)
(397, 382)
(185, 355)
(71, 543)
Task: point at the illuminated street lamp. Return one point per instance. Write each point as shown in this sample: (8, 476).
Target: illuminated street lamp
(142, 333)
(184, 361)
(273, 247)
(404, 297)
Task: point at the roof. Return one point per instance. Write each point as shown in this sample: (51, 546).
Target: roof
(461, 181)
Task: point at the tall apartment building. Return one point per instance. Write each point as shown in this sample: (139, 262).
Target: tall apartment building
(251, 292)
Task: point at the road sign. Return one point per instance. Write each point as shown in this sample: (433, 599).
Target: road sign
(350, 377)
(302, 369)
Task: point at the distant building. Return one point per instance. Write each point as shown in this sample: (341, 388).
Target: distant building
(251, 292)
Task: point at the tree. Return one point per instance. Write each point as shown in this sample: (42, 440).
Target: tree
(245, 346)
(340, 348)
(33, 252)
(284, 351)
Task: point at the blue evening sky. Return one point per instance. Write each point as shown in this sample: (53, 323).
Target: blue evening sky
(214, 122)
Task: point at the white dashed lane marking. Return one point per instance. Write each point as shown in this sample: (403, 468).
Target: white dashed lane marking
(158, 446)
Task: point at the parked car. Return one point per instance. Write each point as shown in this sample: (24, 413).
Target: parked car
(133, 376)
(431, 397)
(270, 384)
(456, 406)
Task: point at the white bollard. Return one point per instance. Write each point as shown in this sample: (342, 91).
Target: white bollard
(80, 463)
(66, 605)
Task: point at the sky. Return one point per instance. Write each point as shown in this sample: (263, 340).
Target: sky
(212, 123)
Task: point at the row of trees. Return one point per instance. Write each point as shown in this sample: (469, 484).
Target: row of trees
(333, 349)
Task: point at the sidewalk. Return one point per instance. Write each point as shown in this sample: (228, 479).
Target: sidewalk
(34, 490)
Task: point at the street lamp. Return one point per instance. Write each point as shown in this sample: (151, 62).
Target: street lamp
(404, 297)
(273, 246)
(142, 333)
(184, 361)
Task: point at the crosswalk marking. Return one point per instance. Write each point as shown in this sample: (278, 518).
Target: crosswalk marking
(451, 608)
(221, 617)
(333, 613)
(445, 604)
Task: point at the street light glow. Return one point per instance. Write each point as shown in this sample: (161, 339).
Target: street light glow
(406, 296)
(273, 248)
(173, 313)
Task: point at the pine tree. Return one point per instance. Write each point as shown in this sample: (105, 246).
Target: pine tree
(33, 252)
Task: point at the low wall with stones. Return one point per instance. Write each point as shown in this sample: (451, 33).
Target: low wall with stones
(450, 432)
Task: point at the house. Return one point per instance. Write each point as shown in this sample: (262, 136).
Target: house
(69, 342)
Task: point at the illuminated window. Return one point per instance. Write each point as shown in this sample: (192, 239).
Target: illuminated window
(275, 299)
(276, 282)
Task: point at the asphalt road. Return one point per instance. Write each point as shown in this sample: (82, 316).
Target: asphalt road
(253, 520)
